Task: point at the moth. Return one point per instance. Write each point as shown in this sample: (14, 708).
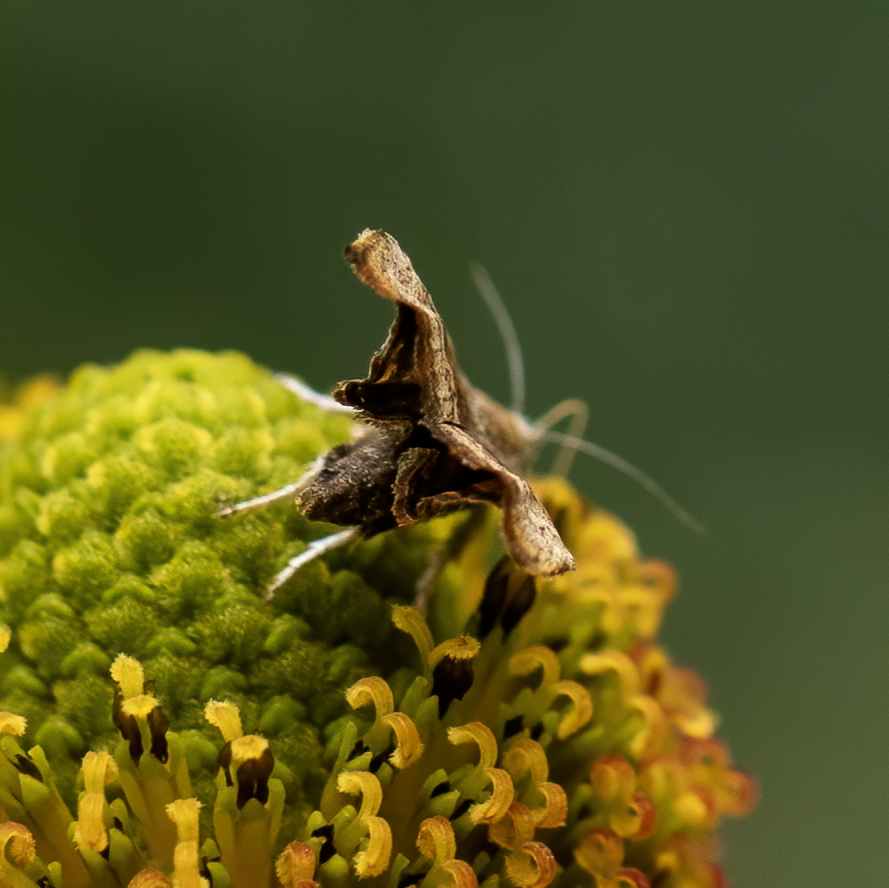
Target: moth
(430, 444)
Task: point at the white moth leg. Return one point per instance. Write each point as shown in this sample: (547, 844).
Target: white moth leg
(579, 413)
(315, 548)
(290, 491)
(301, 390)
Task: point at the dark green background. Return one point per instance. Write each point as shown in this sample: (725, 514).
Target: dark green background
(685, 205)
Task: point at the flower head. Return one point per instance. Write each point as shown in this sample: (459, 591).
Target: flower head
(412, 710)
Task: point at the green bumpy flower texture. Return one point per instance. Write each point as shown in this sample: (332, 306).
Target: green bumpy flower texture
(409, 710)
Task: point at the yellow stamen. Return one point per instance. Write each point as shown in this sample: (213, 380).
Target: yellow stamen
(226, 717)
(128, 673)
(186, 860)
(10, 723)
(99, 770)
(374, 859)
(251, 746)
(464, 647)
(140, 705)
(90, 833)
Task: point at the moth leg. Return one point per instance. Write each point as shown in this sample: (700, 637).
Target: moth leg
(579, 412)
(301, 390)
(315, 548)
(290, 491)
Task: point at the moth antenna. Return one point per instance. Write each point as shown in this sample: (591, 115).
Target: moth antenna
(628, 469)
(508, 335)
(580, 414)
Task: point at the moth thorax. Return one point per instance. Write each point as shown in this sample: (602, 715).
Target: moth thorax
(506, 432)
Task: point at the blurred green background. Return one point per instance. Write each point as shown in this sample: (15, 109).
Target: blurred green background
(685, 206)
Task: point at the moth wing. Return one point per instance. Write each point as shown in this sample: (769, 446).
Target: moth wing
(529, 533)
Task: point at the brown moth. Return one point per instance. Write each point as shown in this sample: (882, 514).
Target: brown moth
(440, 444)
(432, 443)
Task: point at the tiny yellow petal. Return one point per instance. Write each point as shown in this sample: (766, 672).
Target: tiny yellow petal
(408, 747)
(372, 689)
(503, 795)
(556, 808)
(482, 735)
(375, 858)
(366, 785)
(531, 866)
(581, 710)
(514, 828)
(436, 839)
(462, 874)
(526, 661)
(526, 756)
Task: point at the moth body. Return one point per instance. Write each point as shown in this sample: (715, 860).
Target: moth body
(436, 444)
(431, 443)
